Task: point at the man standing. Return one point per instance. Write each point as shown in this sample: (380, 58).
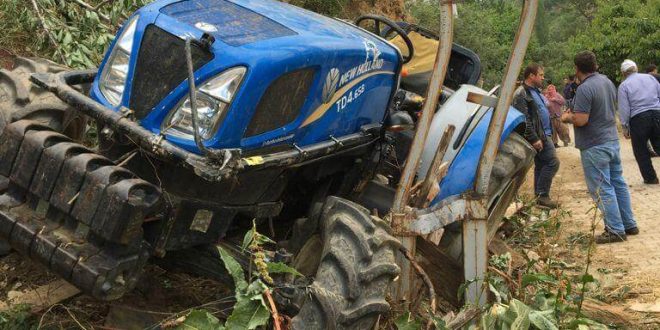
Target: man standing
(652, 69)
(538, 131)
(593, 117)
(569, 88)
(639, 110)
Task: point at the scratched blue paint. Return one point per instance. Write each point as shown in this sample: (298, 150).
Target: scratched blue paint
(234, 25)
(318, 42)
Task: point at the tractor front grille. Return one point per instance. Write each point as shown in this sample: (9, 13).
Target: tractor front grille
(161, 67)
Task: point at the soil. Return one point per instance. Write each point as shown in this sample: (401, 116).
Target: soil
(390, 8)
(629, 272)
(159, 296)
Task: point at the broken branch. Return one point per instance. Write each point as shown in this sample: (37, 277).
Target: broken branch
(94, 9)
(273, 309)
(45, 27)
(423, 275)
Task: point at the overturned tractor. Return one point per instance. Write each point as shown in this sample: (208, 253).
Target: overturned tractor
(212, 114)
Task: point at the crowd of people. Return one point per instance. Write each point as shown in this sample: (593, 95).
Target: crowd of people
(590, 103)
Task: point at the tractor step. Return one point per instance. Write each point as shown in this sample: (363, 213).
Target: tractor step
(72, 210)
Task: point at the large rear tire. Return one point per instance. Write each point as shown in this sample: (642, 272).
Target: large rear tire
(355, 255)
(512, 162)
(21, 99)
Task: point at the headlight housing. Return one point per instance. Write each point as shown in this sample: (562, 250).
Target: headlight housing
(213, 99)
(115, 72)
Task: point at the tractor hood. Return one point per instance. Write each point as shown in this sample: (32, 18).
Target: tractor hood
(307, 77)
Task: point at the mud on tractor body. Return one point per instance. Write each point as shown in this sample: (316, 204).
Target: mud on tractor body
(298, 121)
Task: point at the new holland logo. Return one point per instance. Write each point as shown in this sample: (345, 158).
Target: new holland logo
(330, 86)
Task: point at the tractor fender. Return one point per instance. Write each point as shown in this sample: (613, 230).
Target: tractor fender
(471, 124)
(463, 169)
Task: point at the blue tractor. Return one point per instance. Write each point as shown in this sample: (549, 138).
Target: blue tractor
(212, 114)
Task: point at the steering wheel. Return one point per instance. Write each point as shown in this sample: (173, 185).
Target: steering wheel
(392, 27)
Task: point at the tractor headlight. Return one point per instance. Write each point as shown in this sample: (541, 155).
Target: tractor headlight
(113, 77)
(213, 99)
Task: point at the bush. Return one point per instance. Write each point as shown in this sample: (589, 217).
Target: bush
(78, 35)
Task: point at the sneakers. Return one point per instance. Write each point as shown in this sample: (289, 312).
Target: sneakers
(610, 237)
(654, 181)
(632, 231)
(545, 201)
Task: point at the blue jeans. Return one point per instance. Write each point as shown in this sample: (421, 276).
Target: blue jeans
(546, 165)
(604, 175)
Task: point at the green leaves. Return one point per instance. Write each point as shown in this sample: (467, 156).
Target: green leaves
(250, 310)
(279, 268)
(199, 320)
(543, 320)
(80, 36)
(407, 322)
(534, 278)
(517, 316)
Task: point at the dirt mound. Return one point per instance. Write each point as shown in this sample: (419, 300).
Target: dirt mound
(390, 8)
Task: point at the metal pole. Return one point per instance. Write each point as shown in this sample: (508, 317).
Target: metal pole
(475, 239)
(399, 222)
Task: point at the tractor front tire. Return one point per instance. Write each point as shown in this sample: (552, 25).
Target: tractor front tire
(355, 255)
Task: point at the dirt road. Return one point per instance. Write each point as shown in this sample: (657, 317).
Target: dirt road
(628, 272)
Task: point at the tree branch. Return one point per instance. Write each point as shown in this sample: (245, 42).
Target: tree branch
(273, 309)
(424, 276)
(95, 9)
(48, 33)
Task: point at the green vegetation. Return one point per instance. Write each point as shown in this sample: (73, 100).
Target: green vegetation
(533, 286)
(325, 7)
(17, 317)
(64, 31)
(251, 310)
(613, 29)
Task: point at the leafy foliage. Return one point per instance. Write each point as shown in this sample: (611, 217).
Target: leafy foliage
(250, 310)
(541, 294)
(325, 7)
(18, 317)
(622, 30)
(78, 35)
(614, 30)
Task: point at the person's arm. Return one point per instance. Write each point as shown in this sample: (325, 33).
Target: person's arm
(578, 119)
(561, 100)
(624, 110)
(579, 116)
(520, 103)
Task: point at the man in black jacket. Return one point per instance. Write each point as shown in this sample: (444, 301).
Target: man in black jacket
(538, 131)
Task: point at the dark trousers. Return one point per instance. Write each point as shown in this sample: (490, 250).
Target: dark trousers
(546, 165)
(645, 127)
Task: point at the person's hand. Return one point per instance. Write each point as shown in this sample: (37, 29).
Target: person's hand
(538, 145)
(626, 133)
(567, 117)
